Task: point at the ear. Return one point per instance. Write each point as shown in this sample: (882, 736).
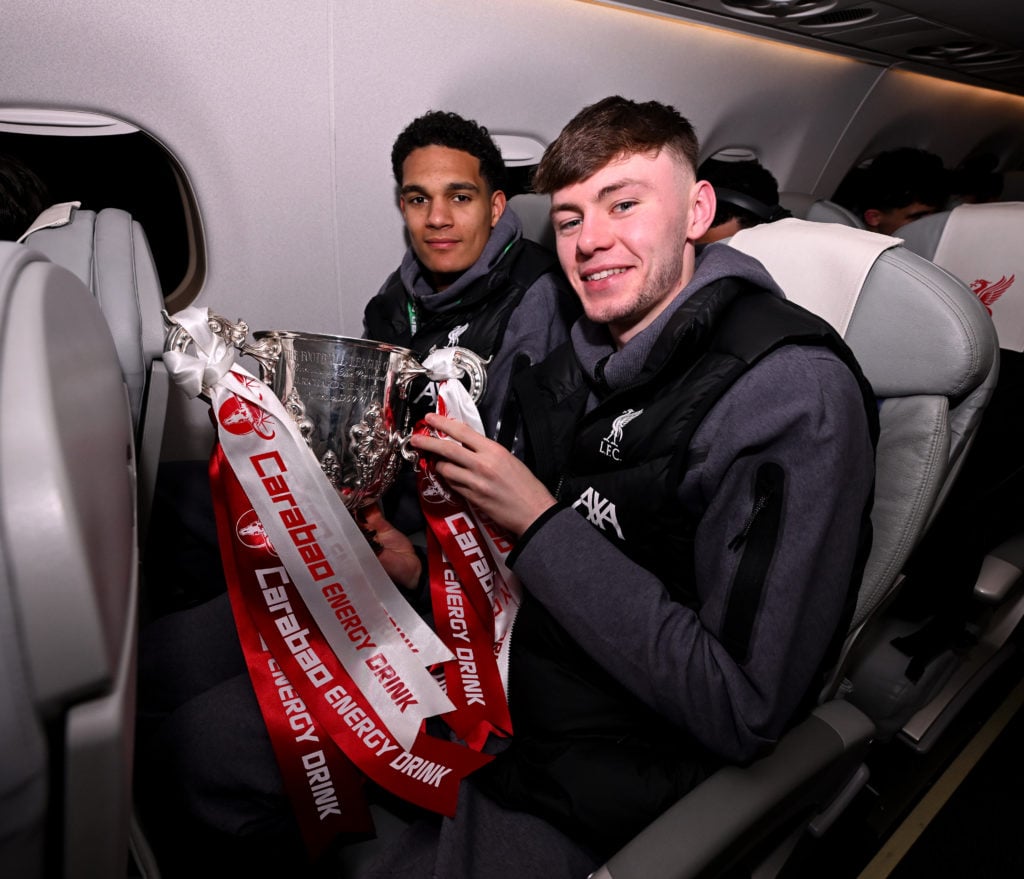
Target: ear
(498, 203)
(702, 209)
(872, 217)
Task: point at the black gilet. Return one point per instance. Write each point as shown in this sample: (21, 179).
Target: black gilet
(485, 306)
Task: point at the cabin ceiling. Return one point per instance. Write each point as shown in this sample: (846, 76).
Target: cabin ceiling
(976, 41)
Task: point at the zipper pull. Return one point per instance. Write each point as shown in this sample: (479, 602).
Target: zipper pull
(741, 538)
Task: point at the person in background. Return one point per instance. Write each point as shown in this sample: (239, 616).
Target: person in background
(23, 197)
(746, 195)
(899, 186)
(691, 519)
(975, 181)
(468, 278)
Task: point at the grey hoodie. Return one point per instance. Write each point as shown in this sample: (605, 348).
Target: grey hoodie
(535, 328)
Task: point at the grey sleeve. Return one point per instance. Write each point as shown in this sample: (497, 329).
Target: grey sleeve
(535, 328)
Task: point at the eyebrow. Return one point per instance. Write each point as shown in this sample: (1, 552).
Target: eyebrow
(454, 186)
(602, 194)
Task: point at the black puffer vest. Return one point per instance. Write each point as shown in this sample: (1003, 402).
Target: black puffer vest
(587, 754)
(477, 321)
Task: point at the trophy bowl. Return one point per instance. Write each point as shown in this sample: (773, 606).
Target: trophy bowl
(348, 396)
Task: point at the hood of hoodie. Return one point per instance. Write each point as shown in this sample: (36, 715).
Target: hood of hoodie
(593, 343)
(505, 233)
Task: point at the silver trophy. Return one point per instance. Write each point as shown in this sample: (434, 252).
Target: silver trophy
(349, 397)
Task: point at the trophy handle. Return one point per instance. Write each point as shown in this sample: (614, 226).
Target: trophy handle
(467, 363)
(266, 352)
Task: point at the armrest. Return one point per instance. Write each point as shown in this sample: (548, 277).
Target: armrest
(1000, 569)
(738, 807)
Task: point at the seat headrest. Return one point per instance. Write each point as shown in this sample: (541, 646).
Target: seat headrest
(894, 308)
(981, 245)
(534, 211)
(818, 210)
(109, 252)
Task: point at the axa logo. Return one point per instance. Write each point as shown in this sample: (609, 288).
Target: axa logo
(599, 511)
(240, 417)
(989, 291)
(610, 444)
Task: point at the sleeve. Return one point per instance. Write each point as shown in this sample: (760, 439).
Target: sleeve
(799, 411)
(539, 324)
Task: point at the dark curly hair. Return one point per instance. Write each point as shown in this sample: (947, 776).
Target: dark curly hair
(441, 128)
(23, 195)
(614, 126)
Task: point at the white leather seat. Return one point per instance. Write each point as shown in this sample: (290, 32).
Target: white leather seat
(68, 578)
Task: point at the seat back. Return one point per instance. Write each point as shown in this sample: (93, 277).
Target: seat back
(964, 596)
(925, 345)
(109, 252)
(981, 245)
(818, 210)
(68, 579)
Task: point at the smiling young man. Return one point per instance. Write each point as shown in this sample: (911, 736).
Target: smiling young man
(689, 545)
(469, 278)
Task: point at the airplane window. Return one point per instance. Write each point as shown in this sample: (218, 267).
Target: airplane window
(130, 171)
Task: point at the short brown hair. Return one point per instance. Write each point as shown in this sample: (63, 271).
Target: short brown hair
(614, 126)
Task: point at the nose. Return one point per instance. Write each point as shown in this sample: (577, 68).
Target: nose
(440, 215)
(594, 234)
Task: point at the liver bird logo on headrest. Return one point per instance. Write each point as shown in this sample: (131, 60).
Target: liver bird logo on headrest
(989, 291)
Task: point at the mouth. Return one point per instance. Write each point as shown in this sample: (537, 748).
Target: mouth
(441, 243)
(602, 274)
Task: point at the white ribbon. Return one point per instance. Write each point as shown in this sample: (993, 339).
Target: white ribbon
(196, 375)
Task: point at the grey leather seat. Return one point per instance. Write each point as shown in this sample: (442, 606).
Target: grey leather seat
(109, 252)
(954, 628)
(818, 210)
(930, 352)
(533, 210)
(68, 578)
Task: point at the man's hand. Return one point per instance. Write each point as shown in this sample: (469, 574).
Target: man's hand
(394, 550)
(485, 473)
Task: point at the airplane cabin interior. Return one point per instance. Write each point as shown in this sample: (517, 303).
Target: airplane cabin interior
(236, 157)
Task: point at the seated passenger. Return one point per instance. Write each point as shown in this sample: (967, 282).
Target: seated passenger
(898, 186)
(746, 195)
(469, 277)
(975, 181)
(692, 540)
(206, 769)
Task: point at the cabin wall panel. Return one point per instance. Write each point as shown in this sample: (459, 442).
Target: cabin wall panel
(527, 67)
(237, 91)
(283, 115)
(947, 118)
